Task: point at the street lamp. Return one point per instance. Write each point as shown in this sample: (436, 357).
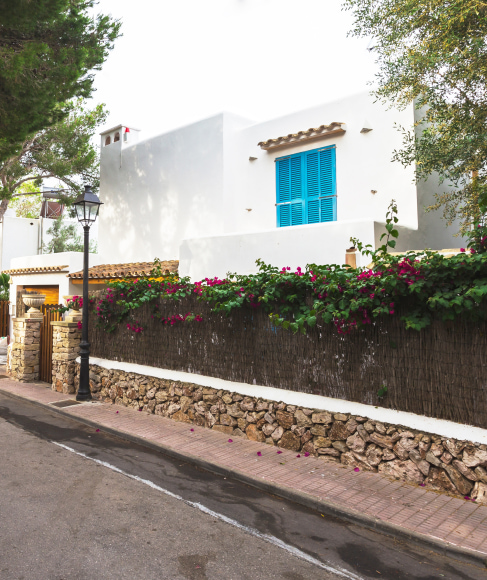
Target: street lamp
(87, 206)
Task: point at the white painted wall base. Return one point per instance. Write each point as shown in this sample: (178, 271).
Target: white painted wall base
(410, 420)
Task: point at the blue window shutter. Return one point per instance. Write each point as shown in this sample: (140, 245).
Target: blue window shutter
(313, 174)
(296, 177)
(283, 177)
(328, 209)
(283, 215)
(297, 211)
(327, 172)
(306, 188)
(314, 211)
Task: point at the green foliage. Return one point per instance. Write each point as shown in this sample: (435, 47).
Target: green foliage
(49, 50)
(382, 392)
(65, 238)
(434, 53)
(64, 151)
(4, 286)
(27, 202)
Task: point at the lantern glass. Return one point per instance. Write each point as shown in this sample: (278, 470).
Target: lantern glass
(87, 207)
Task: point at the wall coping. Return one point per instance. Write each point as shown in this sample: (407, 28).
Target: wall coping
(64, 323)
(418, 422)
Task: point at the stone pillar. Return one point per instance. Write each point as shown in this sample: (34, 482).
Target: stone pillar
(65, 348)
(25, 349)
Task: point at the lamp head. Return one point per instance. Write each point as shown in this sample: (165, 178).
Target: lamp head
(87, 207)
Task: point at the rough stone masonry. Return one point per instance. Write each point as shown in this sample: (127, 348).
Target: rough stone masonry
(439, 463)
(23, 359)
(65, 349)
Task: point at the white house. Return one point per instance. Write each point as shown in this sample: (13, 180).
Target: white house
(220, 193)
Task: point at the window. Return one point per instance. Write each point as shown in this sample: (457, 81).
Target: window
(306, 187)
(117, 137)
(108, 141)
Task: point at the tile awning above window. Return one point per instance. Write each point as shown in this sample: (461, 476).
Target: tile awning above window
(320, 132)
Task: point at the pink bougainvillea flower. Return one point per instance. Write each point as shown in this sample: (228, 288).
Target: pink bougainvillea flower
(422, 484)
(140, 409)
(472, 251)
(230, 440)
(357, 469)
(117, 411)
(462, 249)
(191, 429)
(306, 454)
(279, 452)
(259, 453)
(466, 497)
(298, 455)
(97, 430)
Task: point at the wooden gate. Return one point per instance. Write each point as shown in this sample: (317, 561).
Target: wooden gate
(4, 318)
(51, 314)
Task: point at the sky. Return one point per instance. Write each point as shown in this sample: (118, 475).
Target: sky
(180, 61)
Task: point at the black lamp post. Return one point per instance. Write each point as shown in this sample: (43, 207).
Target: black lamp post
(87, 206)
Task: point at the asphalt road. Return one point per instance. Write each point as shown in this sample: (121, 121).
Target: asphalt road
(104, 508)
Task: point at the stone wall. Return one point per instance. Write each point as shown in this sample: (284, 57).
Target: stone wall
(65, 349)
(24, 350)
(432, 461)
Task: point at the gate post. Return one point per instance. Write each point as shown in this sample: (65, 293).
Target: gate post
(25, 350)
(66, 337)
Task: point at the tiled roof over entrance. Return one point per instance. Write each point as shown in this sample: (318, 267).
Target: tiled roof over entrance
(36, 270)
(320, 132)
(131, 270)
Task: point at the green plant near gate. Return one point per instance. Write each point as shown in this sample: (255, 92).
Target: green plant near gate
(416, 286)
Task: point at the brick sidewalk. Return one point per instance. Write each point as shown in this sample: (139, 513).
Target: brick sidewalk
(377, 502)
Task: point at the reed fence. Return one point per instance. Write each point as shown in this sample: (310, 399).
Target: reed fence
(438, 372)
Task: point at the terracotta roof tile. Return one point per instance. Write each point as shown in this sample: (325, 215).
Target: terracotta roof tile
(35, 270)
(130, 270)
(320, 132)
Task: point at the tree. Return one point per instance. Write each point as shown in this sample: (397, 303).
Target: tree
(63, 151)
(65, 238)
(27, 202)
(48, 52)
(434, 53)
(4, 286)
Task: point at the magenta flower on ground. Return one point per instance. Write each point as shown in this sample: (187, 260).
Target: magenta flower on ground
(422, 484)
(306, 454)
(466, 497)
(117, 411)
(279, 452)
(191, 429)
(298, 455)
(97, 430)
(357, 469)
(230, 440)
(259, 453)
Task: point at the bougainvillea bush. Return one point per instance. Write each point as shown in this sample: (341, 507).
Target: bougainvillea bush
(416, 286)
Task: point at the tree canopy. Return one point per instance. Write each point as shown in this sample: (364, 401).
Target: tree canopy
(434, 52)
(65, 238)
(49, 50)
(64, 151)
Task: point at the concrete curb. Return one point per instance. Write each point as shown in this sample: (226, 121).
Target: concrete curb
(311, 502)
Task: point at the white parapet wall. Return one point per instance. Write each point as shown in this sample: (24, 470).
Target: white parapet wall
(297, 246)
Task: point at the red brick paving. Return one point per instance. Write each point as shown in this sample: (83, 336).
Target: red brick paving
(456, 521)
